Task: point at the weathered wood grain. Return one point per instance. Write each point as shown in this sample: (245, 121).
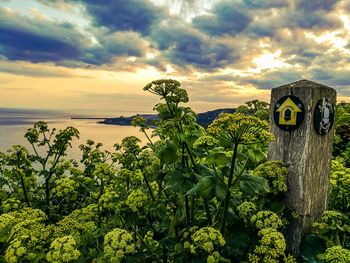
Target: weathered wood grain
(307, 156)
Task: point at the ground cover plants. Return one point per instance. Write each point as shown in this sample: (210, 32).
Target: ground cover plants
(190, 195)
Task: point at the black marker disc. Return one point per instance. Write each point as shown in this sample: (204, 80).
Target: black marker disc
(324, 116)
(289, 113)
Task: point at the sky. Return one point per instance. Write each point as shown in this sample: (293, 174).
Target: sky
(94, 55)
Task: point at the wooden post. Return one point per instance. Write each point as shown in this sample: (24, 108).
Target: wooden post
(305, 149)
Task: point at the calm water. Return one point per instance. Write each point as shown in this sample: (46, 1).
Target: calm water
(14, 124)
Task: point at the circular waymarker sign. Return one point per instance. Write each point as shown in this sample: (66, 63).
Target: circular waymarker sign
(324, 116)
(289, 113)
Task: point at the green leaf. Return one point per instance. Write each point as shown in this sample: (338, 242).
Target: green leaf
(311, 249)
(179, 181)
(168, 242)
(198, 259)
(225, 171)
(256, 155)
(217, 158)
(277, 206)
(191, 138)
(203, 170)
(251, 185)
(182, 137)
(239, 240)
(167, 153)
(346, 228)
(205, 187)
(220, 190)
(240, 166)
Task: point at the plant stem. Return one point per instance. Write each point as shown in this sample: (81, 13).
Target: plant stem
(207, 211)
(141, 238)
(187, 210)
(145, 178)
(148, 138)
(183, 162)
(190, 154)
(228, 193)
(48, 178)
(24, 190)
(148, 185)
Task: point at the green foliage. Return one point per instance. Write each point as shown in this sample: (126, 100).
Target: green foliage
(332, 228)
(275, 172)
(167, 153)
(206, 239)
(246, 210)
(253, 185)
(237, 128)
(340, 187)
(63, 250)
(27, 241)
(257, 108)
(312, 249)
(140, 122)
(118, 243)
(191, 195)
(342, 132)
(136, 199)
(331, 232)
(266, 219)
(271, 248)
(81, 224)
(337, 254)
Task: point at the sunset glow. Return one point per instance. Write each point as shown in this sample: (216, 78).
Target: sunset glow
(73, 54)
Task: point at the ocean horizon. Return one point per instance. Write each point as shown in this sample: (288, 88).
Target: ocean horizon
(14, 122)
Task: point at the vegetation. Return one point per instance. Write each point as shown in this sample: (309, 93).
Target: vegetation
(194, 195)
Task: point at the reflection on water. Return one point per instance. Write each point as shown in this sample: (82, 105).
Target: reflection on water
(13, 126)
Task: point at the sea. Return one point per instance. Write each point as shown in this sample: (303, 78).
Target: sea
(15, 122)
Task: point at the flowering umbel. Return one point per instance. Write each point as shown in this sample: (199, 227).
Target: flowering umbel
(117, 244)
(169, 89)
(237, 128)
(63, 250)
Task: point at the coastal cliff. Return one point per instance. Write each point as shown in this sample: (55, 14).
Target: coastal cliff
(203, 119)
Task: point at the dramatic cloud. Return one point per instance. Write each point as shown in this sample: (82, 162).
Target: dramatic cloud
(41, 40)
(225, 19)
(124, 15)
(185, 46)
(38, 40)
(298, 48)
(315, 20)
(316, 5)
(221, 50)
(114, 45)
(266, 3)
(272, 79)
(332, 77)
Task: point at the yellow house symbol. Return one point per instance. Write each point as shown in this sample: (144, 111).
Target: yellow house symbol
(288, 113)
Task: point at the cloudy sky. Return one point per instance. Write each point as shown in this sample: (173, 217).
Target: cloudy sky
(98, 55)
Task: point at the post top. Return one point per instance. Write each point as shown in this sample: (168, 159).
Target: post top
(304, 83)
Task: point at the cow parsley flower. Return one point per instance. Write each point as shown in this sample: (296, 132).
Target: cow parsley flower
(206, 142)
(238, 128)
(337, 254)
(266, 219)
(63, 250)
(118, 244)
(276, 174)
(207, 238)
(136, 199)
(271, 248)
(246, 210)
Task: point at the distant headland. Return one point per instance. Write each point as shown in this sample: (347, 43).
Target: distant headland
(203, 119)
